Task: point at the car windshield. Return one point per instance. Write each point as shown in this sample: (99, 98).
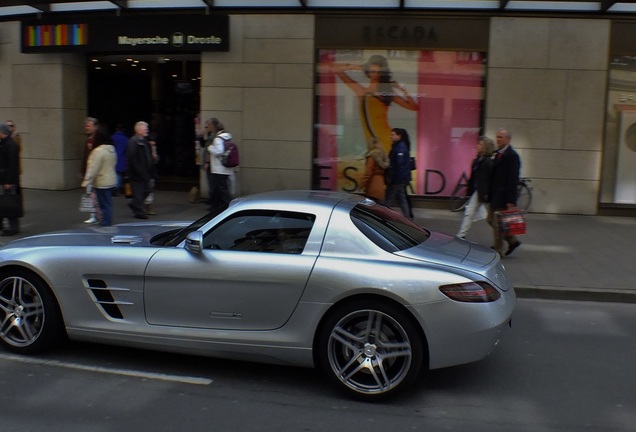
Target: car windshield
(387, 228)
(173, 238)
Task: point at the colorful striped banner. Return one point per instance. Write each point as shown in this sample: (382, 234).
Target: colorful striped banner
(56, 35)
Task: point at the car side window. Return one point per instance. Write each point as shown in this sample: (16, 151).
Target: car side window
(261, 231)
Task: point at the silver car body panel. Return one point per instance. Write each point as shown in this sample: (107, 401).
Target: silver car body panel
(114, 286)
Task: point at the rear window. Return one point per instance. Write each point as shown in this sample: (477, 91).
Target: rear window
(387, 228)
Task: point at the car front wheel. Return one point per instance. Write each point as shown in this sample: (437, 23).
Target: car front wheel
(370, 349)
(30, 320)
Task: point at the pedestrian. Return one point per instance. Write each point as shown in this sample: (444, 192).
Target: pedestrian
(209, 136)
(478, 185)
(101, 175)
(149, 208)
(377, 161)
(139, 168)
(504, 179)
(17, 138)
(90, 127)
(120, 141)
(220, 196)
(399, 171)
(10, 179)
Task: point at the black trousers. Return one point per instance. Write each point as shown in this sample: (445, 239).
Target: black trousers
(220, 196)
(140, 190)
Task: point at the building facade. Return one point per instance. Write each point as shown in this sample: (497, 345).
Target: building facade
(559, 84)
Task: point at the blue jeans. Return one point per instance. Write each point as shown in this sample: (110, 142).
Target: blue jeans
(105, 201)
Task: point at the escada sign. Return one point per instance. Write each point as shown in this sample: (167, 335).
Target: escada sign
(402, 32)
(414, 34)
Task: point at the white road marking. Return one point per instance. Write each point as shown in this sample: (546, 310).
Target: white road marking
(114, 371)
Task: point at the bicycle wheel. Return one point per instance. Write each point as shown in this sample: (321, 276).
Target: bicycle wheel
(524, 196)
(458, 199)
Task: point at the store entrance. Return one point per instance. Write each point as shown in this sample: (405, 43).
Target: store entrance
(162, 90)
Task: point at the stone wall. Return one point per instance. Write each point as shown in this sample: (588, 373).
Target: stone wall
(45, 94)
(547, 81)
(262, 91)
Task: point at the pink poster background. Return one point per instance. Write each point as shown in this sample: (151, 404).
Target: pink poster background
(449, 90)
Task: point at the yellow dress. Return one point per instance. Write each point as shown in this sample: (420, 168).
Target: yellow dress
(374, 114)
(372, 181)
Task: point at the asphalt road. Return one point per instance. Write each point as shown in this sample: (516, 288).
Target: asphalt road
(564, 366)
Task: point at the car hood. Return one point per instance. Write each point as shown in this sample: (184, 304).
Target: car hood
(447, 249)
(134, 234)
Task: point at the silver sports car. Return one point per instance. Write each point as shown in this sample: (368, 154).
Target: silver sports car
(304, 278)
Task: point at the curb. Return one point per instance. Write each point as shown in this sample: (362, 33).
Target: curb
(576, 294)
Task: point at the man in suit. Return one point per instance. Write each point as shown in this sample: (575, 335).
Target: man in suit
(503, 187)
(140, 168)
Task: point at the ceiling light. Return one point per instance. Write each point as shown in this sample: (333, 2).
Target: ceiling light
(80, 6)
(622, 7)
(554, 5)
(452, 4)
(148, 4)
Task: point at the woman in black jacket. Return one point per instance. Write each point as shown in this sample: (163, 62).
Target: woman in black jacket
(399, 172)
(478, 185)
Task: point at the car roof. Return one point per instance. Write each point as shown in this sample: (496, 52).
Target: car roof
(315, 197)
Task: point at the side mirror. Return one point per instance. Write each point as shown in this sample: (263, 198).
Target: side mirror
(194, 242)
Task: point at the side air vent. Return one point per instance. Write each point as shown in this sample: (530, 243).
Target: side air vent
(104, 297)
(121, 239)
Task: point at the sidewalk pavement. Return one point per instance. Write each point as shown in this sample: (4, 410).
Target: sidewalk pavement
(568, 257)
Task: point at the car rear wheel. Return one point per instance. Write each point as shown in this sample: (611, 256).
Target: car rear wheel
(30, 320)
(370, 349)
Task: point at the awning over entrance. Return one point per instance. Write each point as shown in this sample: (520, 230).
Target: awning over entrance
(12, 9)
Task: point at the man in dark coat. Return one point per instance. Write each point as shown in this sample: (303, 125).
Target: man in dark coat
(140, 168)
(503, 187)
(9, 177)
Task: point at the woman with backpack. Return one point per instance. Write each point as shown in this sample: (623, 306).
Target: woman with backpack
(220, 195)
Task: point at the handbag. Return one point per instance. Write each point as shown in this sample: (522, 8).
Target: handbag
(127, 189)
(11, 204)
(511, 222)
(87, 204)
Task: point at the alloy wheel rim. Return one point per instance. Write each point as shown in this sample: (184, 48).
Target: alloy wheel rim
(369, 352)
(21, 312)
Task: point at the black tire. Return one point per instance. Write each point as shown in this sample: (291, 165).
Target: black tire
(524, 197)
(459, 198)
(370, 349)
(30, 320)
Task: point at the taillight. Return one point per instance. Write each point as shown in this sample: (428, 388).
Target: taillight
(471, 292)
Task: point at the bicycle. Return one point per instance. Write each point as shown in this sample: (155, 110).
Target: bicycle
(459, 197)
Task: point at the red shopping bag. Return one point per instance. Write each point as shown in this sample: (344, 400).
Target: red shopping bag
(511, 222)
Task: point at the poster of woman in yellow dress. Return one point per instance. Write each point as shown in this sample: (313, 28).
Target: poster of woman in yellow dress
(376, 98)
(437, 96)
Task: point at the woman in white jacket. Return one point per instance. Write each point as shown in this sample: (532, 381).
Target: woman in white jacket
(101, 176)
(220, 195)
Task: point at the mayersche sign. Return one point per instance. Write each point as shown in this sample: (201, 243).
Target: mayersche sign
(156, 33)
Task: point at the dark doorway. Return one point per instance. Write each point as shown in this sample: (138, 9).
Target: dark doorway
(160, 90)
